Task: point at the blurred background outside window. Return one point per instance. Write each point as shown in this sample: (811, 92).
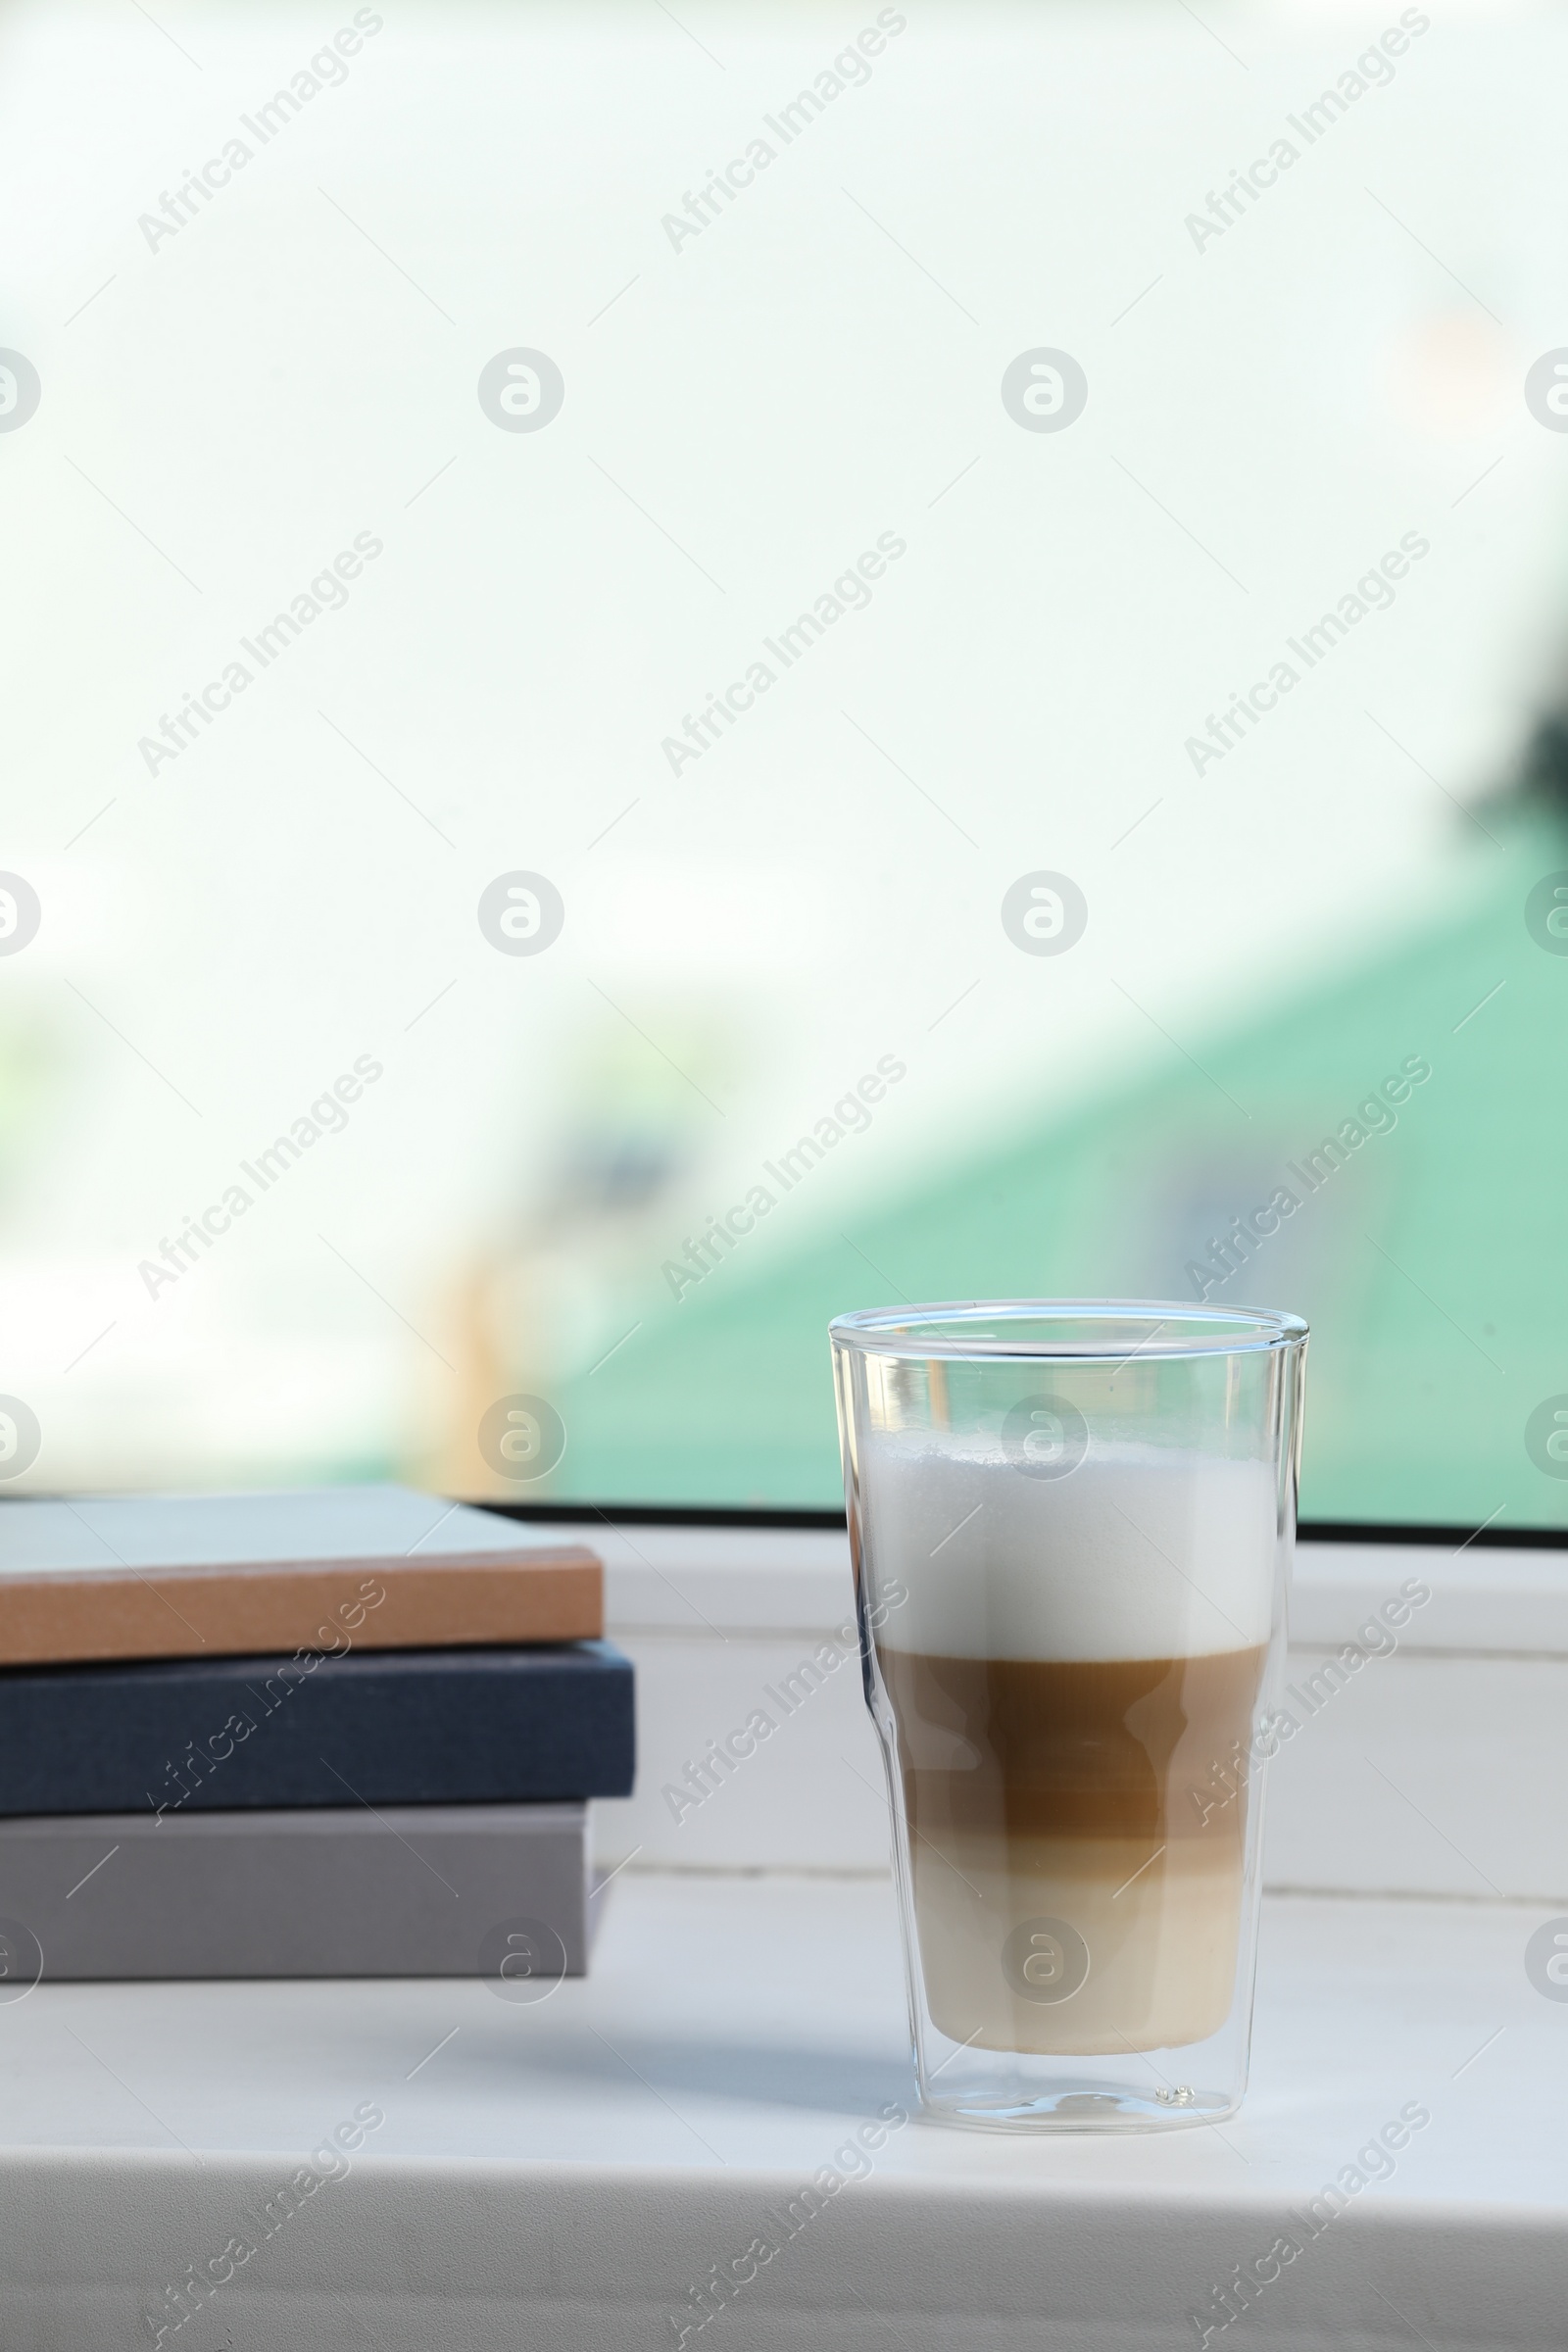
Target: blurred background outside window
(669, 672)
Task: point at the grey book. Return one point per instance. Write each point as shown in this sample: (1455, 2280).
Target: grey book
(499, 1891)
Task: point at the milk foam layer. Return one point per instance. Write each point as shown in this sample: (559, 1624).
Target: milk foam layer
(1140, 1552)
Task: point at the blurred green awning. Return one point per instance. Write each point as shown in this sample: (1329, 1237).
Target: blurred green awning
(1430, 1263)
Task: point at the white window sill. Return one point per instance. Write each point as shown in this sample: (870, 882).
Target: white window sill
(561, 2176)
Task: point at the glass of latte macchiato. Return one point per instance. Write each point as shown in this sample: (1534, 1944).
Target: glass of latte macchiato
(1071, 1526)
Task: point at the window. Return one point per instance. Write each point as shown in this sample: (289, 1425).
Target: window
(675, 671)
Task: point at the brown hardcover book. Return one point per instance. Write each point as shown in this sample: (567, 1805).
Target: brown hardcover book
(320, 1568)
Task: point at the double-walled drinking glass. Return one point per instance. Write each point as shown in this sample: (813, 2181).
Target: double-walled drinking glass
(1072, 1525)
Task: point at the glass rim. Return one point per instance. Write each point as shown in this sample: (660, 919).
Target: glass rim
(1178, 1328)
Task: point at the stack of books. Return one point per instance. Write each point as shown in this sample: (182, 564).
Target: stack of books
(340, 1731)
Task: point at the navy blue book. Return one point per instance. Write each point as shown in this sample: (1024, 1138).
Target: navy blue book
(428, 1727)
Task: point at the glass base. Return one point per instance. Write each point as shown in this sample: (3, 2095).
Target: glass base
(1080, 2106)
